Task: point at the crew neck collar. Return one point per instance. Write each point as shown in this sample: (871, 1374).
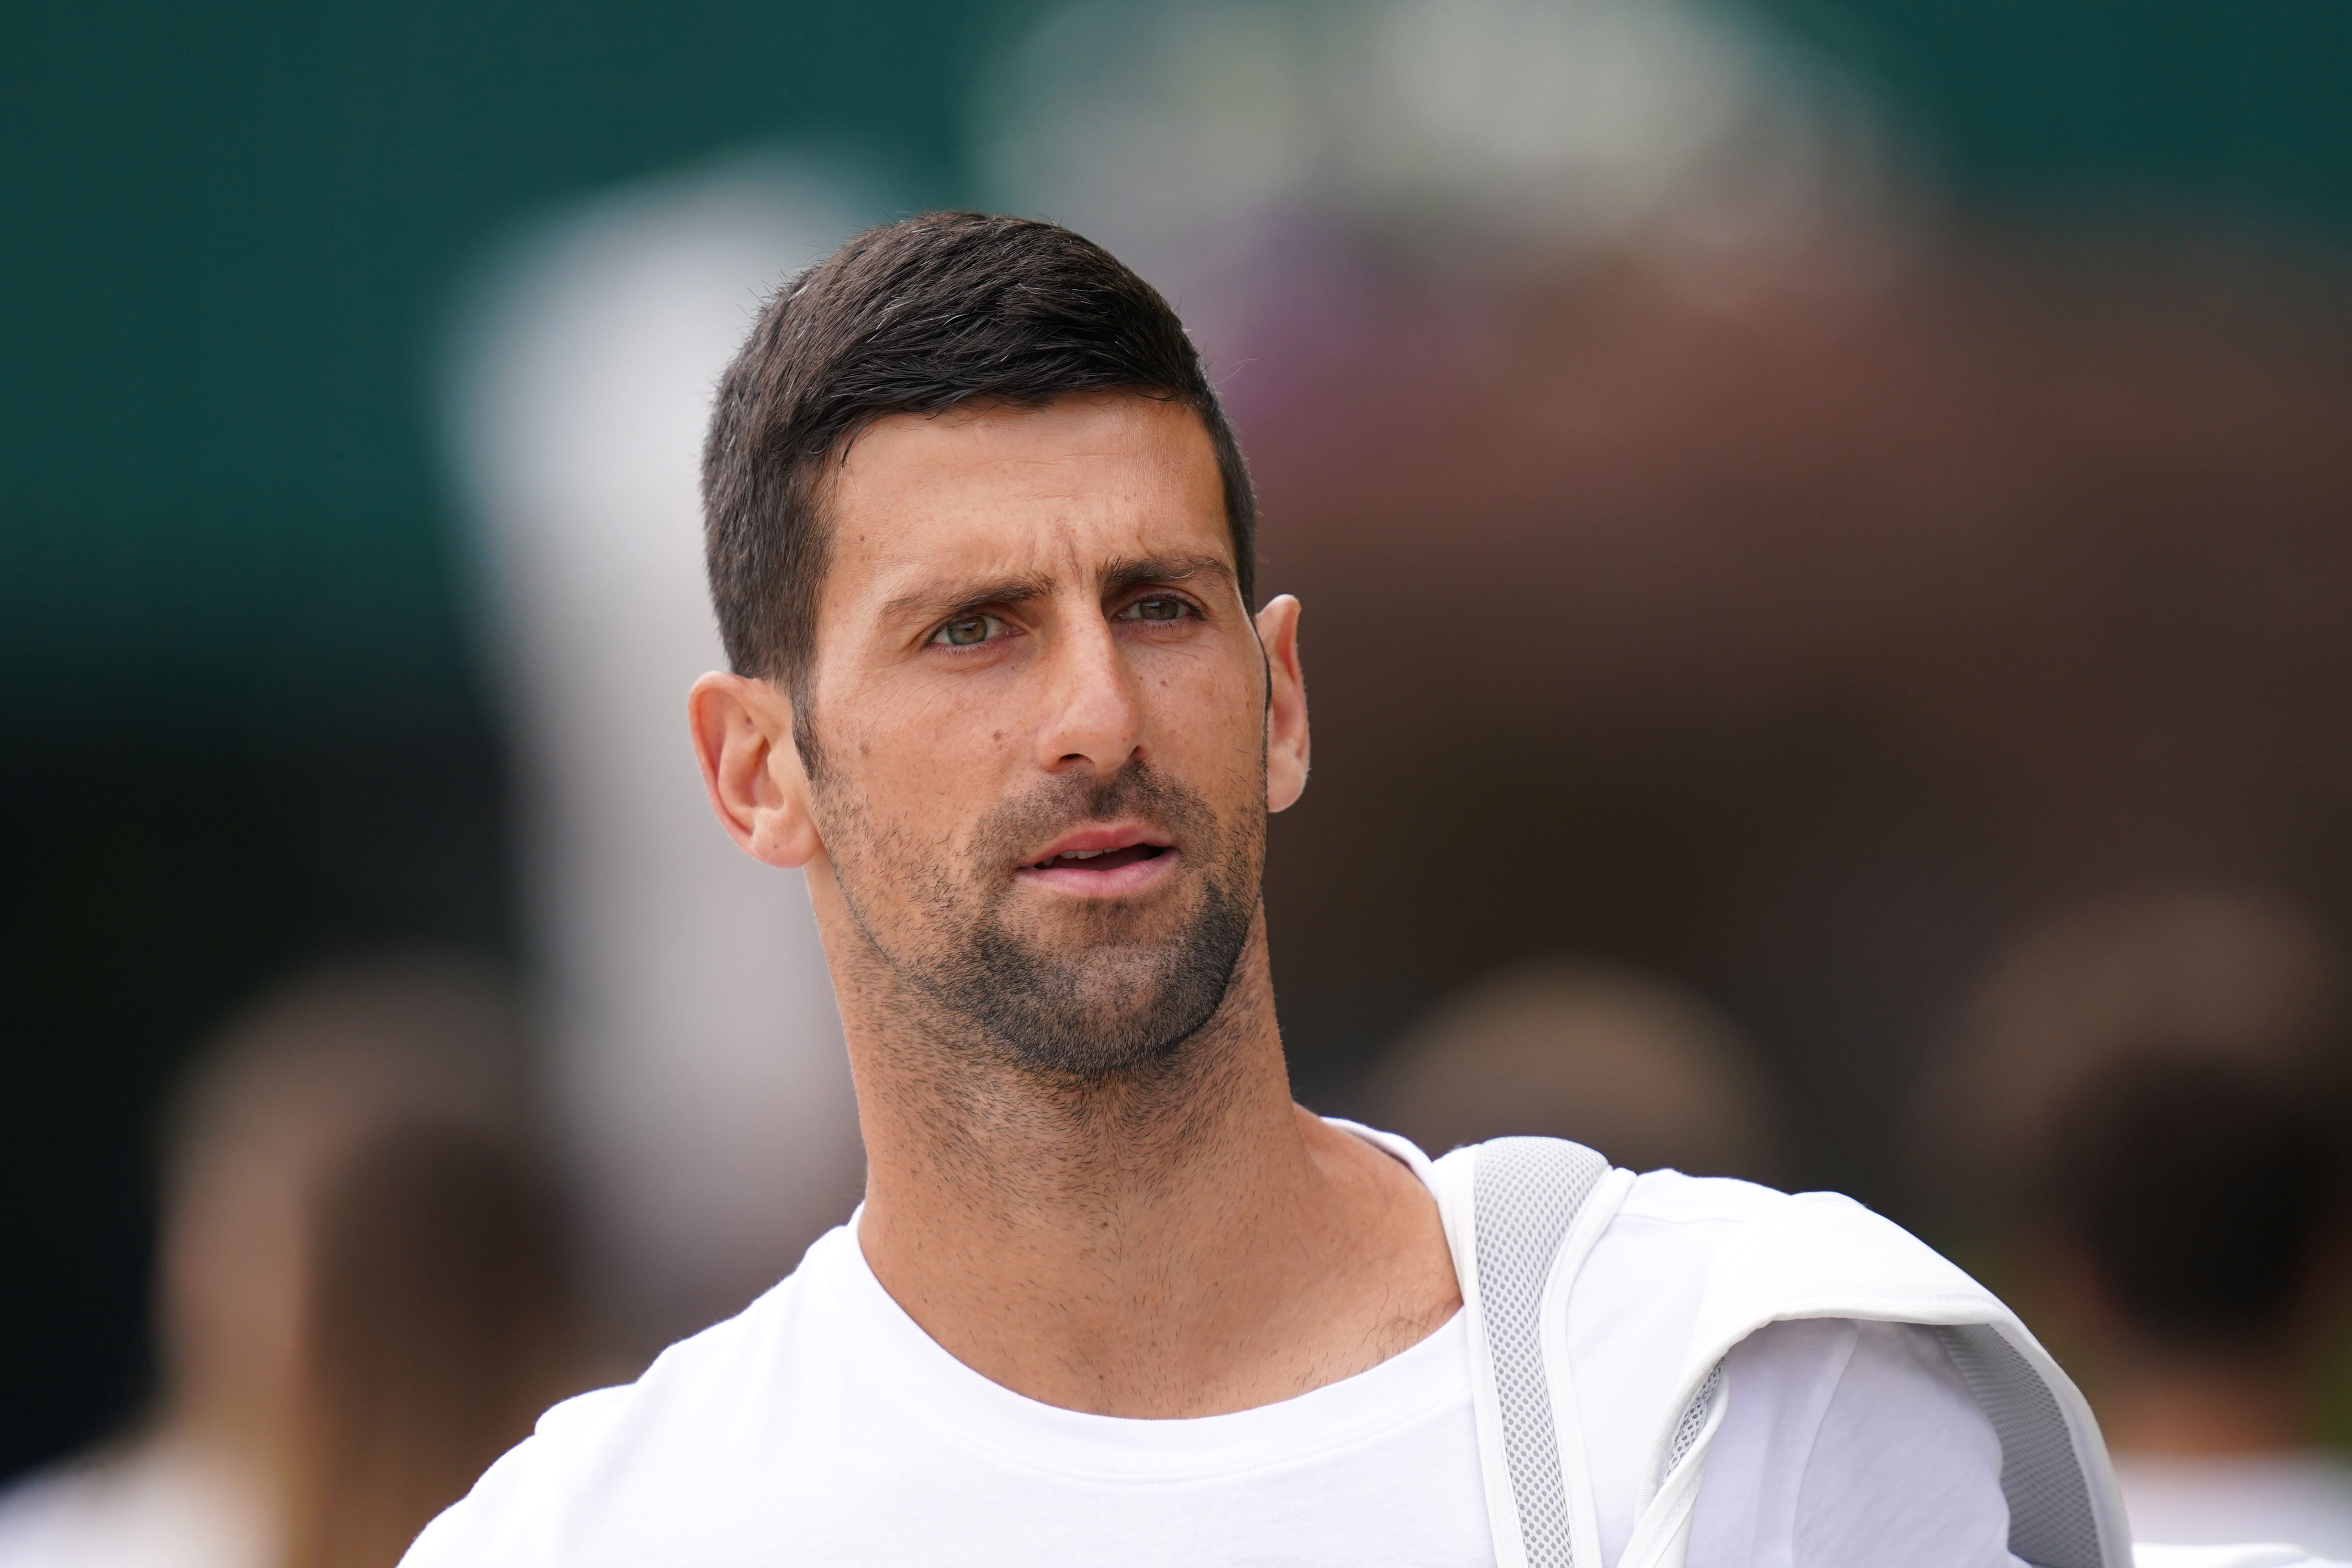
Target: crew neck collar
(1423, 1381)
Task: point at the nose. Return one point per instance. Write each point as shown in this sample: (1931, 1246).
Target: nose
(1094, 715)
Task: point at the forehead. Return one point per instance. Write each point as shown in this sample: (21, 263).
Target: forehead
(1053, 491)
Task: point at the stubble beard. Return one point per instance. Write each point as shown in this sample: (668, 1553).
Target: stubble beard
(1120, 1000)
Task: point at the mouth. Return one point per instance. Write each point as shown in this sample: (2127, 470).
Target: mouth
(1100, 861)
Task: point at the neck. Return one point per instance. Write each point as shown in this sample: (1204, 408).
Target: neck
(1181, 1242)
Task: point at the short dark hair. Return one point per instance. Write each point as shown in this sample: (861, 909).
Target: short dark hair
(917, 317)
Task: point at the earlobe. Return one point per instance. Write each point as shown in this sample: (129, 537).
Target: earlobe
(1287, 750)
(742, 733)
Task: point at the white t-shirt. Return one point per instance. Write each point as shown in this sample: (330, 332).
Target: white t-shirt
(823, 1426)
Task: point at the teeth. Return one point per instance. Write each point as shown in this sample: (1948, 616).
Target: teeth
(1068, 856)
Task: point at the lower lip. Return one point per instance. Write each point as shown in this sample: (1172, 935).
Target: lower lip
(1116, 882)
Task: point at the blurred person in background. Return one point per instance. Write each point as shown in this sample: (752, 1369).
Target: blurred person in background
(2197, 1234)
(693, 1057)
(2149, 1103)
(1608, 1058)
(359, 1297)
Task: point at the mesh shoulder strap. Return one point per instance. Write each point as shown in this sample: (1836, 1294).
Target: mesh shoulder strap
(1517, 1202)
(1525, 1195)
(2053, 1522)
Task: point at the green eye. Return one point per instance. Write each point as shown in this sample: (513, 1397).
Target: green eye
(1156, 610)
(966, 631)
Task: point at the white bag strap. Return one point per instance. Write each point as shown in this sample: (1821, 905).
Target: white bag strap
(2052, 1522)
(1815, 1256)
(1525, 1195)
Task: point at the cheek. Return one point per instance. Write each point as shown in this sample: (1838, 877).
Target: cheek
(916, 771)
(1208, 715)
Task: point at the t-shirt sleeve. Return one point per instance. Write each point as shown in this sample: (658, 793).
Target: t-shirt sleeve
(1847, 1445)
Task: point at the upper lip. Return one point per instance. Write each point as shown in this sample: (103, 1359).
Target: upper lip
(1082, 840)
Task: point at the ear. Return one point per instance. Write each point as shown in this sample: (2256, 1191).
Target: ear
(1286, 705)
(743, 737)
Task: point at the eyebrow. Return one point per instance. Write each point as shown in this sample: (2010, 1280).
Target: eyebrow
(1141, 571)
(932, 603)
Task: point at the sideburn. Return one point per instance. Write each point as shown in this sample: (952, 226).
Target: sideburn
(805, 741)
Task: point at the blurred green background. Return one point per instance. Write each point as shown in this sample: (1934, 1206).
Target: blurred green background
(240, 722)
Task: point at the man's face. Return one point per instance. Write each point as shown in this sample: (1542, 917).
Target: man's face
(1038, 706)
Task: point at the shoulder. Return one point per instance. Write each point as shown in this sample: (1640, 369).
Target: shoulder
(616, 1466)
(1774, 1255)
(1697, 1205)
(1681, 1225)
(1742, 1254)
(1666, 1196)
(1689, 1266)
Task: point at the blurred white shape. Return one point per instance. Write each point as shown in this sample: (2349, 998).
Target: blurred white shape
(162, 1504)
(1152, 126)
(1171, 131)
(2212, 1499)
(1579, 121)
(698, 1066)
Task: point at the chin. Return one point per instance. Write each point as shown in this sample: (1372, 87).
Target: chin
(1121, 935)
(1119, 1015)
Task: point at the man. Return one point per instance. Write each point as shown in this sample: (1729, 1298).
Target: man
(981, 547)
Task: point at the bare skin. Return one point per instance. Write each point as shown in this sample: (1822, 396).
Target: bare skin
(1023, 606)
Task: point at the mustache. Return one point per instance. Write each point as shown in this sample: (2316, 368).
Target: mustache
(1057, 805)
